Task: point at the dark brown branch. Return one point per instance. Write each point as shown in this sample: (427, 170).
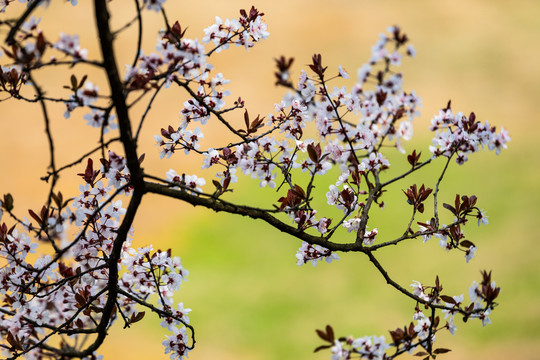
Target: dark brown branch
(417, 167)
(48, 326)
(31, 7)
(404, 291)
(254, 213)
(69, 63)
(364, 217)
(118, 99)
(147, 109)
(50, 141)
(117, 90)
(112, 282)
(46, 178)
(338, 117)
(412, 236)
(61, 252)
(436, 192)
(160, 312)
(139, 33)
(60, 327)
(209, 109)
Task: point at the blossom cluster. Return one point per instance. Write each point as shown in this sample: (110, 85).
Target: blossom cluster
(263, 157)
(352, 127)
(452, 236)
(313, 254)
(70, 288)
(462, 135)
(12, 78)
(149, 272)
(482, 301)
(245, 31)
(78, 270)
(369, 347)
(420, 333)
(176, 57)
(70, 46)
(381, 114)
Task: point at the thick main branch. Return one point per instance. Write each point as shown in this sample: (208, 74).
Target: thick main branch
(130, 148)
(117, 90)
(219, 205)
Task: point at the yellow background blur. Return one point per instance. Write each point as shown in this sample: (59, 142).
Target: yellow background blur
(249, 299)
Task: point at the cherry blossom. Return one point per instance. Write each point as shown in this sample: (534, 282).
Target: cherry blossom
(154, 5)
(70, 45)
(308, 253)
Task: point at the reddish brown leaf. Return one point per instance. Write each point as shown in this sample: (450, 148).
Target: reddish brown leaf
(81, 83)
(137, 317)
(450, 207)
(330, 333)
(14, 341)
(81, 301)
(8, 202)
(246, 119)
(35, 216)
(441, 351)
(466, 243)
(312, 153)
(322, 347)
(448, 299)
(300, 191)
(322, 334)
(141, 158)
(73, 80)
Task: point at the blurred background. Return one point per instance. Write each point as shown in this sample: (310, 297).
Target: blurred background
(249, 299)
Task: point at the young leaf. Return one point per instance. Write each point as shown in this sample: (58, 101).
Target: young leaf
(322, 347)
(8, 202)
(73, 80)
(466, 243)
(35, 216)
(450, 207)
(246, 119)
(441, 351)
(137, 317)
(312, 153)
(14, 341)
(330, 332)
(448, 299)
(141, 158)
